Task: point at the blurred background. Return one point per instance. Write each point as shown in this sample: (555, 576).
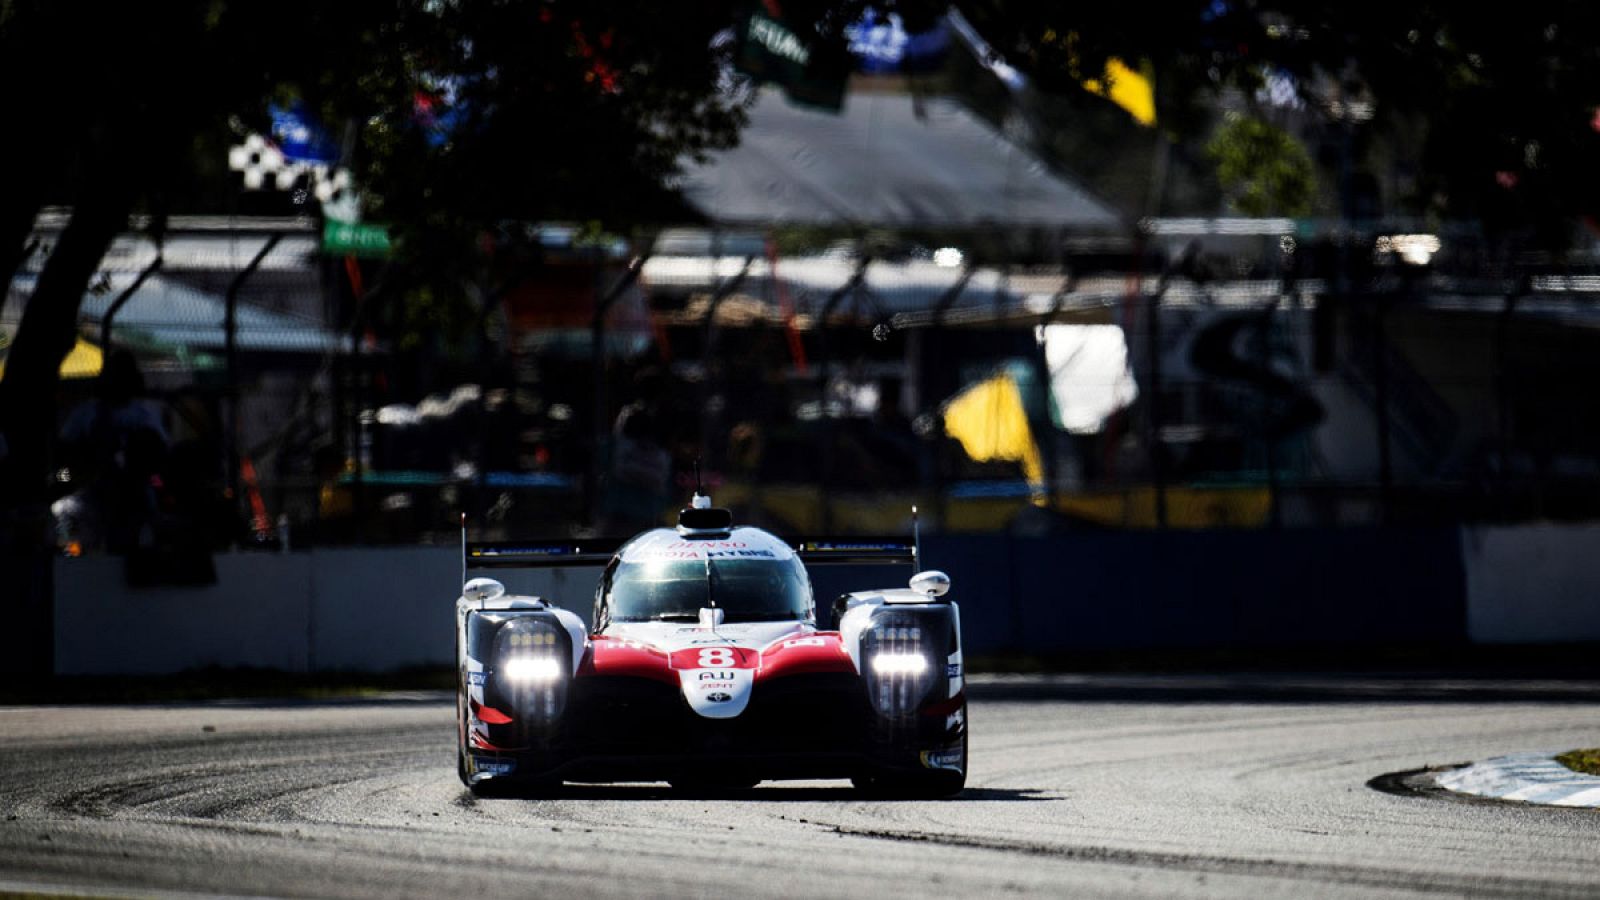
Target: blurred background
(1212, 316)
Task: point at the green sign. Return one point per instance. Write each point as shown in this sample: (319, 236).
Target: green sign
(355, 238)
(811, 73)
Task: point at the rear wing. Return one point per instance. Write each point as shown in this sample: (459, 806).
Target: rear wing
(856, 551)
(531, 554)
(870, 550)
(536, 555)
(553, 554)
(570, 553)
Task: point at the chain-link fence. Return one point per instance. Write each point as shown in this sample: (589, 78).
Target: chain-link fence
(1183, 383)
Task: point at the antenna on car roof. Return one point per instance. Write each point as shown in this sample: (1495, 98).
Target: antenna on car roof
(700, 518)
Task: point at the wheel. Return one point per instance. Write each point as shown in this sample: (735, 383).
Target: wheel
(923, 784)
(931, 785)
(493, 788)
(461, 720)
(521, 788)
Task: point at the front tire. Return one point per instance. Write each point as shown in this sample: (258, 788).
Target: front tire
(923, 784)
(932, 785)
(515, 788)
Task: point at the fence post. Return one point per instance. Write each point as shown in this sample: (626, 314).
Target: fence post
(230, 328)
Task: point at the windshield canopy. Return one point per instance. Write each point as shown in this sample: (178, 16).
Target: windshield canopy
(747, 590)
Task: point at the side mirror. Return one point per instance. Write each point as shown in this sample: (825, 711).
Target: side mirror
(933, 582)
(480, 590)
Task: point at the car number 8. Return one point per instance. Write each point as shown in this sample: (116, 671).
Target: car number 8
(716, 658)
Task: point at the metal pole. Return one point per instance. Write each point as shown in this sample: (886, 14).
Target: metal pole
(1269, 437)
(1381, 389)
(116, 305)
(709, 326)
(827, 310)
(230, 328)
(940, 308)
(1158, 461)
(1042, 362)
(1158, 454)
(708, 336)
(597, 329)
(951, 294)
(28, 249)
(825, 373)
(1502, 379)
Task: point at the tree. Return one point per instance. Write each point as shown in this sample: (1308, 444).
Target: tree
(561, 109)
(1500, 98)
(582, 109)
(1265, 171)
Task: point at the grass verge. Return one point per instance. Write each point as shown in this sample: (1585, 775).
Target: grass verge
(1585, 761)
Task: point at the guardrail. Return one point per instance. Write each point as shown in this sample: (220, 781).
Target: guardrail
(381, 609)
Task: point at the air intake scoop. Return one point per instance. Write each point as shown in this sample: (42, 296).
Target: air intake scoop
(701, 519)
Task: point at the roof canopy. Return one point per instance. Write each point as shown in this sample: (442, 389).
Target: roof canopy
(886, 160)
(173, 313)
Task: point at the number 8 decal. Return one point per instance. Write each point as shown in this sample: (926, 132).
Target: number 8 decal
(716, 658)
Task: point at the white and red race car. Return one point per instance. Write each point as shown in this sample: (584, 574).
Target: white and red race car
(706, 668)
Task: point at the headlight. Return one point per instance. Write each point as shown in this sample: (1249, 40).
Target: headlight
(532, 668)
(899, 664)
(531, 671)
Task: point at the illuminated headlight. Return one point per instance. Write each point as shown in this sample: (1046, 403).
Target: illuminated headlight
(531, 669)
(898, 667)
(899, 664)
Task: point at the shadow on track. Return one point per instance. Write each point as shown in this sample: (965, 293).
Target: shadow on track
(772, 792)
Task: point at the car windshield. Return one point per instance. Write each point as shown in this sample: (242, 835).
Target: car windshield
(748, 590)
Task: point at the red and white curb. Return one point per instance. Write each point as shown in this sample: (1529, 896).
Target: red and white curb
(1529, 777)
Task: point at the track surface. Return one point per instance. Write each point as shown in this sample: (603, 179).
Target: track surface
(1093, 785)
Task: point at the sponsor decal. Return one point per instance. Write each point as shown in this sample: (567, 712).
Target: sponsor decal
(477, 678)
(490, 765)
(805, 642)
(952, 670)
(685, 550)
(717, 657)
(720, 697)
(716, 676)
(943, 759)
(711, 640)
(710, 545)
(717, 685)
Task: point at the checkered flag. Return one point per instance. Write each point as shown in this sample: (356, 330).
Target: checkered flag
(266, 169)
(259, 159)
(338, 195)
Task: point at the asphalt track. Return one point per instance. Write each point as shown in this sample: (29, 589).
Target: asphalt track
(1081, 785)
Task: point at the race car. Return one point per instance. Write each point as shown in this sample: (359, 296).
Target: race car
(706, 668)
